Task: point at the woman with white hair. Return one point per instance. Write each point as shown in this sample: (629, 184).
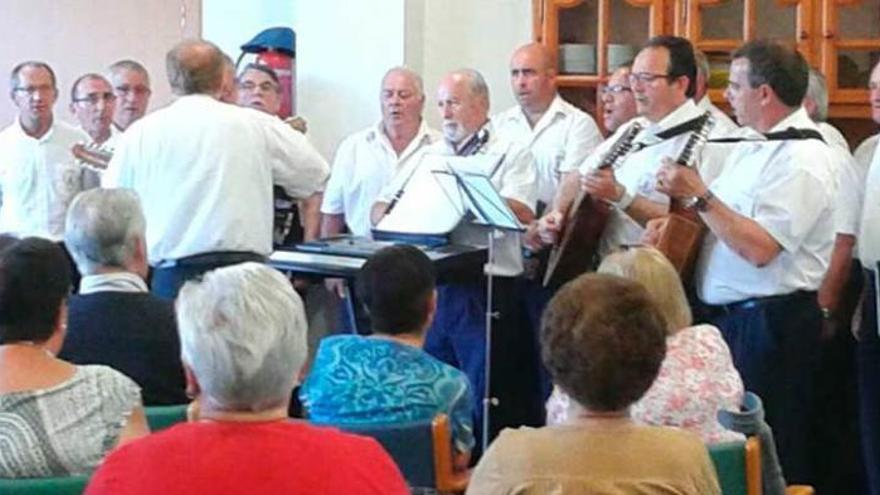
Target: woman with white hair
(243, 341)
(697, 377)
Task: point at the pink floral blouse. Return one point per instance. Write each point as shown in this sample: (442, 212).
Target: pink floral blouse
(696, 379)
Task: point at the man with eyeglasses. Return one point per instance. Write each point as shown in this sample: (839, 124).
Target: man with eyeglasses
(258, 87)
(618, 102)
(131, 84)
(662, 79)
(770, 216)
(93, 102)
(39, 176)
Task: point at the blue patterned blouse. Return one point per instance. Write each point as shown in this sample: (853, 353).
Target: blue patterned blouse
(365, 380)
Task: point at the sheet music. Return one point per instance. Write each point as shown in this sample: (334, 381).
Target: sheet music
(433, 203)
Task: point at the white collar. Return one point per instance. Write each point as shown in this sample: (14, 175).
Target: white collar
(112, 282)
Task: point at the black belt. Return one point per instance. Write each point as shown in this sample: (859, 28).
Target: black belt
(212, 258)
(714, 310)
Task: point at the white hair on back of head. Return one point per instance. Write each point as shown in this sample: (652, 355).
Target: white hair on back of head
(243, 334)
(817, 90)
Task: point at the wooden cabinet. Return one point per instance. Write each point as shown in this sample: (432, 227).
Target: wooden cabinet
(839, 37)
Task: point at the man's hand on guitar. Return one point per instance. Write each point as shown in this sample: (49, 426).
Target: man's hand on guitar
(601, 184)
(550, 226)
(653, 229)
(679, 182)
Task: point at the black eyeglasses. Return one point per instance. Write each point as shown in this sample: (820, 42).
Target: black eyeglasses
(615, 89)
(647, 77)
(95, 98)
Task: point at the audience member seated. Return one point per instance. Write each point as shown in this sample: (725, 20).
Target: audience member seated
(114, 320)
(243, 341)
(56, 419)
(386, 377)
(603, 340)
(697, 377)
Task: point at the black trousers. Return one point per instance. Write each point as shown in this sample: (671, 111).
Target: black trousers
(166, 281)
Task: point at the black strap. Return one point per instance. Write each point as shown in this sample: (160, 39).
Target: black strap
(792, 133)
(676, 130)
(474, 144)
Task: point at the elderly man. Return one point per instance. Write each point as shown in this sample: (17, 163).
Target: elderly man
(260, 89)
(723, 123)
(114, 320)
(38, 175)
(205, 169)
(368, 160)
(131, 84)
(618, 102)
(457, 336)
(770, 216)
(243, 339)
(868, 157)
(663, 82)
(93, 102)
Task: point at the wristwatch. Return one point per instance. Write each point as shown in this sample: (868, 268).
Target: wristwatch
(701, 203)
(626, 199)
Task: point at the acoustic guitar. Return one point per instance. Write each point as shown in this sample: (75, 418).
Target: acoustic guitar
(682, 236)
(94, 156)
(585, 222)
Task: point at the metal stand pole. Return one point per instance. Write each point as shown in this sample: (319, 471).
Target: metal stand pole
(488, 400)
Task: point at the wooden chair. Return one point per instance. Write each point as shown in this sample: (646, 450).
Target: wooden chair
(738, 465)
(421, 449)
(161, 417)
(67, 485)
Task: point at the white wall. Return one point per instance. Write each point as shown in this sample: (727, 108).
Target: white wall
(480, 34)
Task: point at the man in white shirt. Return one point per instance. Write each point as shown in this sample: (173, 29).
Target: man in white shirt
(458, 333)
(38, 174)
(662, 79)
(559, 135)
(131, 84)
(93, 102)
(368, 160)
(868, 157)
(295, 221)
(205, 169)
(723, 123)
(771, 221)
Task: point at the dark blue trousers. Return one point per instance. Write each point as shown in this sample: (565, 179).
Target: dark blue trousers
(166, 282)
(868, 360)
(458, 337)
(775, 347)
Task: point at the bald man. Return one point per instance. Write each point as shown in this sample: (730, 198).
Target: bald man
(559, 135)
(204, 171)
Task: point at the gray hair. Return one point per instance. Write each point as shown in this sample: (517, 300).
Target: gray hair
(817, 90)
(416, 78)
(702, 63)
(476, 83)
(243, 334)
(103, 227)
(128, 64)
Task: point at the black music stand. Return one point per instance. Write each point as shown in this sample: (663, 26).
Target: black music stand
(490, 210)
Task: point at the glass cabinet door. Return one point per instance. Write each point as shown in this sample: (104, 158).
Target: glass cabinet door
(850, 47)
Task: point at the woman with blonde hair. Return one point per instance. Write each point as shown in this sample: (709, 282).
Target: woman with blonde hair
(697, 377)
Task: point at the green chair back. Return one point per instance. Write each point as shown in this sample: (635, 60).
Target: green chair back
(69, 485)
(161, 417)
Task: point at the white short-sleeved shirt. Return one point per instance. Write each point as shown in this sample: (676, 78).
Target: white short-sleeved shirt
(788, 188)
(724, 125)
(365, 162)
(515, 179)
(38, 179)
(637, 172)
(204, 171)
(850, 182)
(868, 160)
(560, 141)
